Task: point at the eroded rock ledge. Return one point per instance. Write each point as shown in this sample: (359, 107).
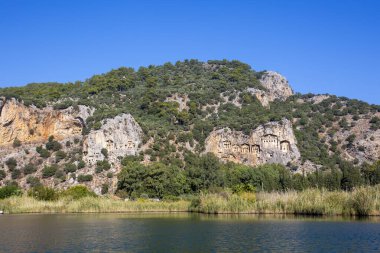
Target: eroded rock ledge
(30, 124)
(273, 142)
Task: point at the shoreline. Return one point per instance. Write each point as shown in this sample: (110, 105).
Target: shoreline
(269, 214)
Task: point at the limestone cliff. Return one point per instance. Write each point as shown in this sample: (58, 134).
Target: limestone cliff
(277, 87)
(273, 142)
(30, 124)
(121, 136)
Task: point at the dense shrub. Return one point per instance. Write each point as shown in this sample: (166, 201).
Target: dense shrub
(70, 167)
(11, 163)
(59, 155)
(78, 191)
(49, 171)
(44, 153)
(84, 178)
(81, 164)
(104, 152)
(3, 174)
(16, 143)
(104, 189)
(29, 169)
(16, 174)
(156, 180)
(43, 193)
(60, 174)
(102, 165)
(53, 144)
(33, 181)
(9, 190)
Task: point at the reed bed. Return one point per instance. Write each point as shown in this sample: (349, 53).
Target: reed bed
(362, 201)
(24, 204)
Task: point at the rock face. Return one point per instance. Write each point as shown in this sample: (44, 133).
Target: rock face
(121, 136)
(273, 142)
(366, 144)
(277, 88)
(30, 124)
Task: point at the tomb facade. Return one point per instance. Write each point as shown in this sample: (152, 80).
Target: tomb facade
(273, 142)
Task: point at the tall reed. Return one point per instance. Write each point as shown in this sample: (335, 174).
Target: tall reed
(361, 201)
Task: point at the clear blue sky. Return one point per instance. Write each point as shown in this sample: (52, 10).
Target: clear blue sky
(320, 46)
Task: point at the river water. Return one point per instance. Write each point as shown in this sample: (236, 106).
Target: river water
(185, 233)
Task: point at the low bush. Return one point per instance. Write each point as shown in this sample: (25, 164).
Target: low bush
(16, 143)
(53, 145)
(29, 169)
(104, 152)
(77, 192)
(9, 190)
(49, 171)
(59, 155)
(43, 193)
(33, 181)
(16, 174)
(44, 153)
(81, 164)
(102, 165)
(105, 189)
(59, 174)
(70, 167)
(11, 163)
(84, 178)
(2, 174)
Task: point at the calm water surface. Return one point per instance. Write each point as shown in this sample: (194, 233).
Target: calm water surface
(185, 233)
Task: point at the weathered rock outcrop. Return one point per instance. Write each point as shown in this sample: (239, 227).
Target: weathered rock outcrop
(273, 142)
(365, 146)
(30, 124)
(121, 136)
(277, 87)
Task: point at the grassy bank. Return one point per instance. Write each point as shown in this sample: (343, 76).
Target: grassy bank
(24, 204)
(361, 201)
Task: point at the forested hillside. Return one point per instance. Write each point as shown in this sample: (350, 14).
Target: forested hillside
(177, 106)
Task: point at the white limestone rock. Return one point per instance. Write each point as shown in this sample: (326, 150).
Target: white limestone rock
(277, 87)
(273, 142)
(121, 136)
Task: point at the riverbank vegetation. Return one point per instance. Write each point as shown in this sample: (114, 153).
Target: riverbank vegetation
(209, 186)
(208, 174)
(362, 201)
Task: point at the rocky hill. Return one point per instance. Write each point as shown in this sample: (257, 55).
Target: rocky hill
(64, 134)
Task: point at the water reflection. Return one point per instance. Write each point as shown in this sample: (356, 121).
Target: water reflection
(184, 232)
